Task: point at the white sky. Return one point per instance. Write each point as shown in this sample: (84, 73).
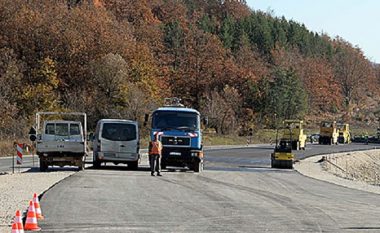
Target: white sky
(354, 20)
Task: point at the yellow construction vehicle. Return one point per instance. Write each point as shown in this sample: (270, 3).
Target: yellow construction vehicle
(282, 157)
(294, 134)
(344, 133)
(329, 133)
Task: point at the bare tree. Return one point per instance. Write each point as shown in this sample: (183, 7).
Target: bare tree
(223, 108)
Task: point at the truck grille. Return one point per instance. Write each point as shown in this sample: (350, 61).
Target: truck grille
(175, 141)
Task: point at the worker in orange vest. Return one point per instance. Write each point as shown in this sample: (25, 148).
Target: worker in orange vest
(155, 149)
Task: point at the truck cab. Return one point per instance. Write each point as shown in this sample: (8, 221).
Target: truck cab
(179, 131)
(344, 133)
(328, 133)
(295, 134)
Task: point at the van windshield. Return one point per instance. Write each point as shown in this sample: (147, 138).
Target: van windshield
(119, 132)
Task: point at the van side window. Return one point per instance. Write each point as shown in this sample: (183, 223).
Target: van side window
(119, 132)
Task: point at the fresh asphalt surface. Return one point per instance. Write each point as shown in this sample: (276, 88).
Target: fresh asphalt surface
(237, 192)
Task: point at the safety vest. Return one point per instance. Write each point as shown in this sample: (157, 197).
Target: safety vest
(156, 148)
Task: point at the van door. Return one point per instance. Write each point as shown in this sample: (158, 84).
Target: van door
(129, 139)
(119, 139)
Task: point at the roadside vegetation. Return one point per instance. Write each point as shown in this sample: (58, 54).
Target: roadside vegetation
(243, 69)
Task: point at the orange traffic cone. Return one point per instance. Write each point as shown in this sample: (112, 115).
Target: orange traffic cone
(15, 228)
(18, 221)
(31, 219)
(37, 207)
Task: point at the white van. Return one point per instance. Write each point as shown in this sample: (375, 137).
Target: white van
(116, 141)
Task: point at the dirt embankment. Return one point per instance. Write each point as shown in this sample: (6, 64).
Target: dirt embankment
(360, 166)
(358, 170)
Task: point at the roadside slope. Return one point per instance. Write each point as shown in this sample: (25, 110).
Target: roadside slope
(357, 170)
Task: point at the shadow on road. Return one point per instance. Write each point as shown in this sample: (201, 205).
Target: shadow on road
(50, 169)
(118, 168)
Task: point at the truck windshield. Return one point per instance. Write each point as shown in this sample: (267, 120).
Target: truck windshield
(166, 120)
(119, 132)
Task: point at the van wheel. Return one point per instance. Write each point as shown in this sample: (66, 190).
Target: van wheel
(133, 165)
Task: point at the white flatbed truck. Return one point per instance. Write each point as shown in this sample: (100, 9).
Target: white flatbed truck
(61, 142)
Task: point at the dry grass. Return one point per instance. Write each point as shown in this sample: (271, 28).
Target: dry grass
(6, 148)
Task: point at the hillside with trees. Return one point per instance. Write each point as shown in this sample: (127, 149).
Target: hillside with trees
(112, 58)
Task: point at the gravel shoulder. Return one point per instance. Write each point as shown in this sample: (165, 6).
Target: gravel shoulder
(356, 170)
(16, 190)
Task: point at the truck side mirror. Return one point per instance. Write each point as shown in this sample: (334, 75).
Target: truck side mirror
(146, 119)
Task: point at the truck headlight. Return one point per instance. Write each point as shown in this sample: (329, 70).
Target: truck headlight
(198, 154)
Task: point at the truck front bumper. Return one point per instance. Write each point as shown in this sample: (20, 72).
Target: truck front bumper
(180, 157)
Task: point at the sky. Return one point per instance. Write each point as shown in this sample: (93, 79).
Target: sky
(353, 20)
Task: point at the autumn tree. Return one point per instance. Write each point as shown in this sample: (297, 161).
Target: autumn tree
(41, 93)
(11, 76)
(323, 91)
(10, 89)
(113, 58)
(353, 72)
(110, 76)
(201, 68)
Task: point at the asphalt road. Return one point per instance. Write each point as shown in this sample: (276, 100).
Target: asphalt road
(6, 164)
(237, 192)
(256, 156)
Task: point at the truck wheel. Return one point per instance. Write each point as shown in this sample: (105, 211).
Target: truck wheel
(198, 166)
(81, 166)
(133, 165)
(43, 166)
(96, 163)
